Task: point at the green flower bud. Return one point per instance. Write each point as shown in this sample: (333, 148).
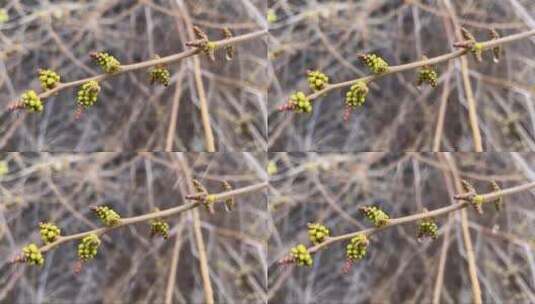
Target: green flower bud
(427, 75)
(49, 232)
(357, 248)
(356, 96)
(301, 256)
(88, 247)
(300, 103)
(32, 255)
(317, 233)
(427, 228)
(107, 62)
(159, 227)
(107, 215)
(31, 101)
(375, 63)
(48, 79)
(88, 94)
(377, 216)
(160, 74)
(317, 80)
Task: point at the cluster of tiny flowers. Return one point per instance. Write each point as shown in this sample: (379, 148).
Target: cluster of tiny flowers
(32, 255)
(375, 63)
(49, 232)
(88, 247)
(356, 96)
(107, 62)
(159, 227)
(317, 80)
(88, 94)
(427, 228)
(300, 255)
(48, 79)
(317, 233)
(160, 75)
(31, 101)
(300, 103)
(427, 75)
(357, 248)
(377, 216)
(107, 215)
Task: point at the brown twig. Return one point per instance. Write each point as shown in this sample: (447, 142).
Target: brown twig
(470, 99)
(219, 197)
(470, 256)
(488, 197)
(150, 63)
(417, 64)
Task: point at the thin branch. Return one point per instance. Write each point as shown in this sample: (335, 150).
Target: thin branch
(199, 241)
(219, 197)
(470, 256)
(419, 216)
(417, 64)
(150, 63)
(469, 92)
(169, 290)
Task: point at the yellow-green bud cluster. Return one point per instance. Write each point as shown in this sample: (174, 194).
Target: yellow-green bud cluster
(32, 255)
(317, 233)
(357, 248)
(31, 101)
(88, 247)
(427, 228)
(375, 63)
(300, 103)
(160, 75)
(301, 256)
(317, 80)
(107, 62)
(88, 94)
(356, 96)
(48, 79)
(377, 216)
(107, 215)
(427, 75)
(159, 227)
(49, 232)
